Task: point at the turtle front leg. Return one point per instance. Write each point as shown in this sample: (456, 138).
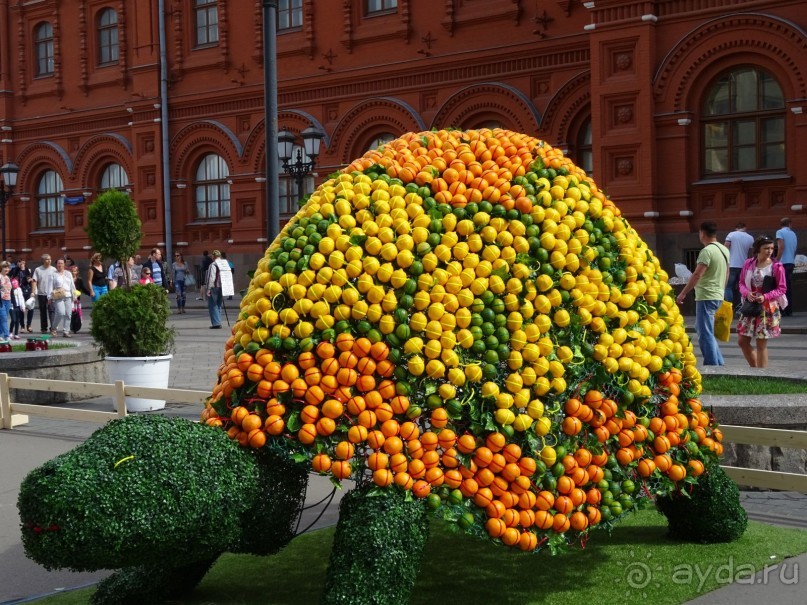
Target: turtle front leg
(150, 583)
(377, 548)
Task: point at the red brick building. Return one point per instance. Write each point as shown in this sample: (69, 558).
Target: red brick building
(683, 110)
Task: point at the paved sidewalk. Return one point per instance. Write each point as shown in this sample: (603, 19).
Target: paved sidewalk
(198, 354)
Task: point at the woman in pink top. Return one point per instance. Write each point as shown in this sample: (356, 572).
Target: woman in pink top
(762, 280)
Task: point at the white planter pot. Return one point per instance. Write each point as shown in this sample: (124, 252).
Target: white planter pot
(142, 372)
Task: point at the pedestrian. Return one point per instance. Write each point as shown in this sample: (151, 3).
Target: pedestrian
(202, 278)
(739, 243)
(762, 280)
(80, 288)
(786, 243)
(218, 282)
(17, 309)
(117, 274)
(145, 276)
(41, 285)
(5, 300)
(709, 282)
(158, 268)
(232, 268)
(138, 264)
(61, 297)
(97, 284)
(25, 277)
(112, 283)
(180, 270)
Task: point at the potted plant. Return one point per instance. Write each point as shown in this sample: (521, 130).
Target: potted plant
(130, 323)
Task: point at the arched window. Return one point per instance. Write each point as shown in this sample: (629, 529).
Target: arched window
(212, 191)
(50, 202)
(584, 157)
(491, 124)
(378, 6)
(114, 177)
(743, 123)
(43, 49)
(289, 14)
(107, 37)
(206, 15)
(381, 139)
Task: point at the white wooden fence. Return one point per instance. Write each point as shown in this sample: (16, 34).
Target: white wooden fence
(13, 414)
(768, 438)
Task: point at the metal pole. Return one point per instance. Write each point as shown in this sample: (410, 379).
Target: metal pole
(3, 219)
(166, 164)
(270, 119)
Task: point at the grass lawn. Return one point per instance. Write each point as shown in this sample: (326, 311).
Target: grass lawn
(739, 385)
(20, 348)
(461, 569)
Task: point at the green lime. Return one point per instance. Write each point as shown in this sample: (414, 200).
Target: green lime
(363, 326)
(454, 408)
(466, 520)
(341, 326)
(455, 497)
(479, 347)
(491, 357)
(413, 412)
(434, 401)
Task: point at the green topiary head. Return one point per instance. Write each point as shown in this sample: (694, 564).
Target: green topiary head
(141, 489)
(132, 322)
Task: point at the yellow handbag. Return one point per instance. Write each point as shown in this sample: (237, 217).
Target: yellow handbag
(723, 318)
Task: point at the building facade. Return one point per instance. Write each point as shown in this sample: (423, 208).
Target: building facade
(682, 110)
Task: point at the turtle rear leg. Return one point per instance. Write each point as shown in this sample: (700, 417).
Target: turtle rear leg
(377, 549)
(712, 512)
(150, 584)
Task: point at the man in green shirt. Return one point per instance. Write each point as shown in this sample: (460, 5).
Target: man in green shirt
(709, 282)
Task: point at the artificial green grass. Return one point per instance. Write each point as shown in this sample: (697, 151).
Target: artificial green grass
(611, 569)
(20, 348)
(739, 385)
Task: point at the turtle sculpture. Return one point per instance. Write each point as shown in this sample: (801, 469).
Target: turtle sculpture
(458, 322)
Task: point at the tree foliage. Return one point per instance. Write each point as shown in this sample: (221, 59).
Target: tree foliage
(114, 227)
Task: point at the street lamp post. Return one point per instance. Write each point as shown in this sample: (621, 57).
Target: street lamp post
(270, 118)
(8, 172)
(299, 168)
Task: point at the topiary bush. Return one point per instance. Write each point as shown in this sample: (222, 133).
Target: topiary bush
(113, 227)
(710, 513)
(377, 549)
(132, 322)
(148, 491)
